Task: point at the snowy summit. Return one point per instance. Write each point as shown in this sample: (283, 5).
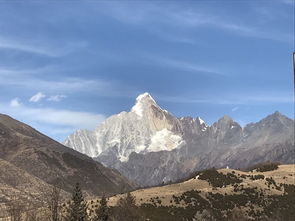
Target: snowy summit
(143, 101)
(146, 128)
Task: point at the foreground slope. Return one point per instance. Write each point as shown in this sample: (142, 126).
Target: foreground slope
(49, 161)
(17, 184)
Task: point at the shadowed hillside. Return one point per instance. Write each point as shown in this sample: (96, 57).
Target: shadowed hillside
(25, 149)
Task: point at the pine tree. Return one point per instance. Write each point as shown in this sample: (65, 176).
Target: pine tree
(126, 207)
(130, 200)
(78, 207)
(101, 213)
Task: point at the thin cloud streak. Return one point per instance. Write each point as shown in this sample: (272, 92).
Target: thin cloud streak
(237, 100)
(19, 71)
(56, 98)
(181, 65)
(8, 44)
(56, 117)
(186, 18)
(235, 109)
(48, 49)
(192, 20)
(57, 123)
(70, 85)
(288, 2)
(33, 79)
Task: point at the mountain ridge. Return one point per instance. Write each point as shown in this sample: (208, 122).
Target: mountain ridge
(150, 139)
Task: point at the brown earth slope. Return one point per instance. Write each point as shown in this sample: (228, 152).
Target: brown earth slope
(50, 162)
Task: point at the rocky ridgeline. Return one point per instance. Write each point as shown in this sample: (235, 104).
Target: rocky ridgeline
(150, 146)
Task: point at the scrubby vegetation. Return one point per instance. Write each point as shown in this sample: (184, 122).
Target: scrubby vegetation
(76, 209)
(127, 210)
(217, 179)
(257, 177)
(244, 203)
(263, 167)
(249, 202)
(228, 197)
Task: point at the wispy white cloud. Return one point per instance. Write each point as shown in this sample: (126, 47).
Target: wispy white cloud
(175, 37)
(37, 97)
(29, 80)
(182, 99)
(268, 98)
(255, 32)
(33, 79)
(237, 99)
(59, 119)
(288, 2)
(45, 47)
(234, 109)
(58, 85)
(197, 19)
(191, 19)
(181, 65)
(56, 98)
(16, 45)
(15, 102)
(18, 71)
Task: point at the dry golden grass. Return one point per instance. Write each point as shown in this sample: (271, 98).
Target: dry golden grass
(285, 174)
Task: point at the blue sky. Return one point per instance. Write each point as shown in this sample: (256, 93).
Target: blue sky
(66, 65)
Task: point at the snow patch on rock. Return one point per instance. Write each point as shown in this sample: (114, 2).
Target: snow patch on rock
(137, 109)
(164, 140)
(201, 121)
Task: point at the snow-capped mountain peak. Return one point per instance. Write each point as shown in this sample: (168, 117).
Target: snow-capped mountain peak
(143, 102)
(150, 145)
(202, 124)
(145, 97)
(201, 121)
(146, 128)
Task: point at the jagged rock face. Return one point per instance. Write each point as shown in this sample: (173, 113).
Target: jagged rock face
(273, 129)
(146, 128)
(150, 146)
(82, 140)
(226, 131)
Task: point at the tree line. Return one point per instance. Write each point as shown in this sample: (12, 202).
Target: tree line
(76, 209)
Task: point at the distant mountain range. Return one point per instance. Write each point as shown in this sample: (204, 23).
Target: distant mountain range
(151, 146)
(31, 162)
